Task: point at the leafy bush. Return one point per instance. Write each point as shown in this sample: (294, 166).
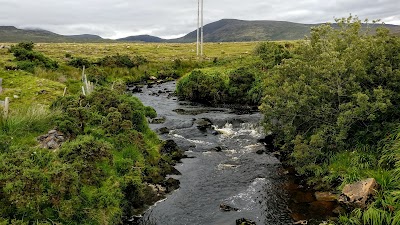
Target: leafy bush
(27, 59)
(241, 82)
(331, 95)
(205, 87)
(215, 86)
(271, 53)
(79, 62)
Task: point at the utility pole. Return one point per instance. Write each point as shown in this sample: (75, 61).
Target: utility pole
(202, 32)
(198, 27)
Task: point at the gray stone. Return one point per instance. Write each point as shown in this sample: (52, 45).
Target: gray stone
(358, 194)
(52, 132)
(52, 140)
(52, 144)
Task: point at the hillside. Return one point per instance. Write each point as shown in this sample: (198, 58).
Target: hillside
(13, 34)
(227, 30)
(142, 38)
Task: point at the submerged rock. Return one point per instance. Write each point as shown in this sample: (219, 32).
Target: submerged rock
(358, 194)
(157, 120)
(227, 208)
(171, 184)
(203, 123)
(244, 221)
(163, 130)
(260, 152)
(134, 89)
(171, 148)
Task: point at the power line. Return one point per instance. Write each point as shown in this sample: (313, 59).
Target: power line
(200, 30)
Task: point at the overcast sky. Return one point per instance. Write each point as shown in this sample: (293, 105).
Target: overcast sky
(174, 18)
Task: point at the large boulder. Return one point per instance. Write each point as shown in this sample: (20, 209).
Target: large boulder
(359, 194)
(52, 140)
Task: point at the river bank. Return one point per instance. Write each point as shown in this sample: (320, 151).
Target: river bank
(228, 167)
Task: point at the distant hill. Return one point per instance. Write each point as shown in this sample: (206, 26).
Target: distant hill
(13, 34)
(226, 30)
(239, 30)
(142, 38)
(87, 37)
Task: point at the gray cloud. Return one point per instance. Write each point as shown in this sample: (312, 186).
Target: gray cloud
(171, 18)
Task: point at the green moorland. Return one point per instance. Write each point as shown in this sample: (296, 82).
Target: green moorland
(331, 102)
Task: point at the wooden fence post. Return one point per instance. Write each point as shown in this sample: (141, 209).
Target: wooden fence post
(65, 91)
(6, 105)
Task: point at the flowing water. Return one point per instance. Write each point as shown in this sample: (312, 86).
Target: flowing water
(222, 168)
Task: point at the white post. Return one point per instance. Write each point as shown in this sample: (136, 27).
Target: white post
(202, 30)
(6, 106)
(83, 74)
(1, 85)
(87, 84)
(65, 91)
(198, 27)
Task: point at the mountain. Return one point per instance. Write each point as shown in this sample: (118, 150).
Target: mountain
(231, 30)
(14, 35)
(87, 37)
(225, 30)
(142, 38)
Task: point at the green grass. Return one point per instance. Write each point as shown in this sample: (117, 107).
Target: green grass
(27, 90)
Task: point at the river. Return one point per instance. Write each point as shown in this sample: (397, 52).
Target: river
(222, 165)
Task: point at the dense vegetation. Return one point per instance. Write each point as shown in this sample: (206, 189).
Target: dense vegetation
(100, 175)
(332, 107)
(27, 59)
(219, 85)
(96, 177)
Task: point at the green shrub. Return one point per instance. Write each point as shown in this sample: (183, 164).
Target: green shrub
(271, 53)
(27, 59)
(79, 62)
(206, 87)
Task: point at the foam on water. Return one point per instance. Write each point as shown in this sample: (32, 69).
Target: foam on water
(245, 200)
(191, 140)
